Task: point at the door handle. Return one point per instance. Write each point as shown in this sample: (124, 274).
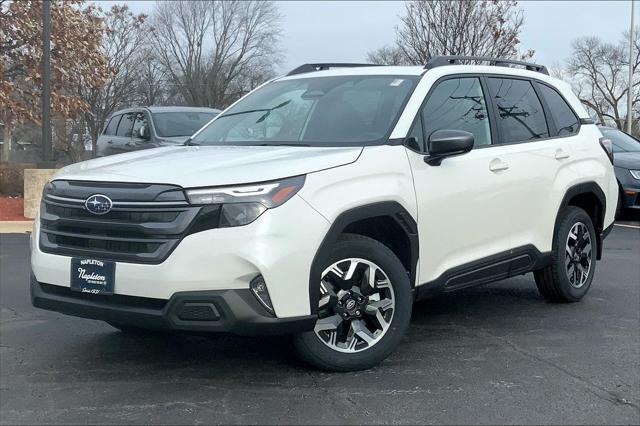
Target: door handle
(110, 142)
(561, 154)
(498, 165)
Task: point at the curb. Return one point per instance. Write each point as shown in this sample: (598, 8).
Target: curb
(15, 226)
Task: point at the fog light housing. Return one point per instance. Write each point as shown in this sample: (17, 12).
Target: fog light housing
(259, 290)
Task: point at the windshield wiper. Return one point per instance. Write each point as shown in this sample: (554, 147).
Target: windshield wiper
(249, 111)
(189, 142)
(280, 144)
(266, 114)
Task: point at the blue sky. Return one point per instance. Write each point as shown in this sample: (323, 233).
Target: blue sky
(344, 31)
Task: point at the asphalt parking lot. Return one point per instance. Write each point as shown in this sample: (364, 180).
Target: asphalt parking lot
(493, 354)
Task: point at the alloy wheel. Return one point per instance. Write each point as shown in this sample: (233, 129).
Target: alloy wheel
(356, 305)
(578, 255)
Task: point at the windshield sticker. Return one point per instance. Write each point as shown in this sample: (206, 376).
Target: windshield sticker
(396, 82)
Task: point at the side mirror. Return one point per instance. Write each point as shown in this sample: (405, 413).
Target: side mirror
(447, 143)
(143, 132)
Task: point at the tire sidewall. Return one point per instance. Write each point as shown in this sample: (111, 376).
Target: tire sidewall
(571, 217)
(365, 248)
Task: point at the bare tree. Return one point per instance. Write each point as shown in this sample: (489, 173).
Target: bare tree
(123, 45)
(387, 55)
(214, 51)
(449, 27)
(599, 72)
(151, 87)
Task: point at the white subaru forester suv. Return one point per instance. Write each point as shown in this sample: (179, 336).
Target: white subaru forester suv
(325, 202)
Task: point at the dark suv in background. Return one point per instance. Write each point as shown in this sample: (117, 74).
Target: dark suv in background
(141, 128)
(626, 161)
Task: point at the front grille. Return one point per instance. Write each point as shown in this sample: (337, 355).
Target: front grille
(122, 216)
(145, 225)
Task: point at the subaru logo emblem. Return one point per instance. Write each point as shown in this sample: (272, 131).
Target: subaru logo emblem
(98, 204)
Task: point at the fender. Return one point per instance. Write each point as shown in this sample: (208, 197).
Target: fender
(589, 187)
(390, 209)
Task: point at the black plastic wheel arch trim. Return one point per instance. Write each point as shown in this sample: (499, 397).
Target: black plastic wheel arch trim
(391, 209)
(589, 187)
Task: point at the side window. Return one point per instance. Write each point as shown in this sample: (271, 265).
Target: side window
(110, 130)
(566, 121)
(140, 120)
(126, 125)
(457, 104)
(520, 116)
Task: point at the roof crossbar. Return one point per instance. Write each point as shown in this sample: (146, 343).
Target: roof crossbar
(439, 61)
(319, 67)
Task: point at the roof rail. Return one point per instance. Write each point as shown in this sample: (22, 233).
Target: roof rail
(319, 67)
(439, 61)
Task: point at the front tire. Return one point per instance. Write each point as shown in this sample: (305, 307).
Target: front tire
(364, 307)
(569, 276)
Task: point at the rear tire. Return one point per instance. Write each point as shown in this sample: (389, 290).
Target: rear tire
(573, 259)
(364, 307)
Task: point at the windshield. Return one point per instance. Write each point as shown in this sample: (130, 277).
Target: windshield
(621, 141)
(183, 123)
(313, 111)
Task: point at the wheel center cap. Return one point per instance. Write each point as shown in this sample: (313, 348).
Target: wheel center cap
(350, 304)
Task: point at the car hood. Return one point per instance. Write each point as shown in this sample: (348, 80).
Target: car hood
(627, 160)
(193, 166)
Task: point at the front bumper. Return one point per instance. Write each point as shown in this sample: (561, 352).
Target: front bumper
(229, 311)
(630, 196)
(280, 245)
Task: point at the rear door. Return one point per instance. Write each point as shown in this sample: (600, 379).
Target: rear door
(539, 128)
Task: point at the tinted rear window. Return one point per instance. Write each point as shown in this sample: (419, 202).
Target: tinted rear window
(520, 116)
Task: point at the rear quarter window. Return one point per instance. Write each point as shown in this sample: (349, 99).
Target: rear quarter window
(560, 112)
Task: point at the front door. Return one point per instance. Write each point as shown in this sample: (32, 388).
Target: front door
(463, 204)
(138, 142)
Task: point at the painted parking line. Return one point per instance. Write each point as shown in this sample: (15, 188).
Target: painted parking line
(627, 226)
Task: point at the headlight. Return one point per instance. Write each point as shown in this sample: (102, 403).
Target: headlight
(635, 174)
(243, 204)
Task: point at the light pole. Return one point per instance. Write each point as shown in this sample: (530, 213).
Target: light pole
(47, 150)
(630, 92)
